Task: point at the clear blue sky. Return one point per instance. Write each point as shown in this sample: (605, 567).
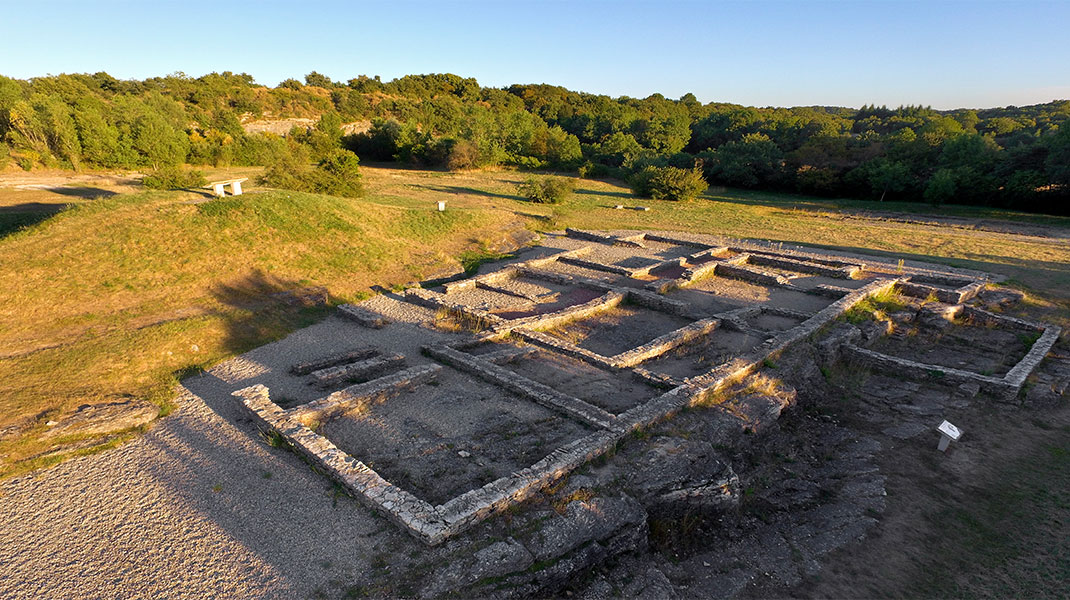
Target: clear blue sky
(943, 53)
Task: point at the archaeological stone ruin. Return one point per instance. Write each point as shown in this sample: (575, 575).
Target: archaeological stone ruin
(442, 406)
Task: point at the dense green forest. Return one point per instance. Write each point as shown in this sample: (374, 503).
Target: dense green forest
(1015, 157)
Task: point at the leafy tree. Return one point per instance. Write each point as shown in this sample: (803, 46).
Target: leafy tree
(754, 160)
(317, 80)
(546, 190)
(942, 187)
(668, 183)
(1057, 163)
(158, 142)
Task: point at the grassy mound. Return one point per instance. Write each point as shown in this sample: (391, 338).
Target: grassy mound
(114, 299)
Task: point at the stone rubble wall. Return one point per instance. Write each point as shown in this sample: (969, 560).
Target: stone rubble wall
(545, 395)
(658, 302)
(361, 394)
(366, 369)
(601, 238)
(802, 256)
(597, 266)
(768, 260)
(660, 345)
(665, 239)
(434, 300)
(564, 348)
(341, 358)
(915, 370)
(957, 296)
(414, 515)
(609, 301)
(749, 274)
(363, 316)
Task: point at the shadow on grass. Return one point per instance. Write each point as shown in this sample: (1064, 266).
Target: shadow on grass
(456, 189)
(13, 222)
(83, 192)
(260, 307)
(605, 193)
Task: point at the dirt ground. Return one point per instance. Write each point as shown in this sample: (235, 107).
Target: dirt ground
(613, 392)
(619, 330)
(454, 434)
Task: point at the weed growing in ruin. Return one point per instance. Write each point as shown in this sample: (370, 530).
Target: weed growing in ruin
(875, 306)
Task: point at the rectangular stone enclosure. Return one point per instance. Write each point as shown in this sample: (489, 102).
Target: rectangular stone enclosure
(444, 406)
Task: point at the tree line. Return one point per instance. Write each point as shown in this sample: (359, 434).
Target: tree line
(1015, 157)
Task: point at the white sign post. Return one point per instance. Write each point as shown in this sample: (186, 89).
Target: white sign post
(441, 205)
(948, 433)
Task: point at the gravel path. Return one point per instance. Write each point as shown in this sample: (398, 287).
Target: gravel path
(199, 507)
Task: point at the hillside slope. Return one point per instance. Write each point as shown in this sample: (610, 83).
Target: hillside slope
(109, 300)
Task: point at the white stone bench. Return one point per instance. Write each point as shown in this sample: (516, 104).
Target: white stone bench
(235, 186)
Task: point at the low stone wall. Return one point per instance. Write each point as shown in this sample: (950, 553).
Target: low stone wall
(802, 256)
(507, 355)
(749, 274)
(657, 302)
(957, 296)
(1009, 322)
(545, 395)
(435, 300)
(663, 344)
(768, 260)
(356, 396)
(597, 266)
(363, 369)
(665, 239)
(828, 291)
(341, 358)
(414, 515)
(1017, 375)
(915, 370)
(562, 347)
(476, 505)
(363, 316)
(601, 238)
(580, 311)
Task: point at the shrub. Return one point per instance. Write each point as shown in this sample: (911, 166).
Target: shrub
(338, 174)
(463, 154)
(668, 183)
(546, 190)
(173, 177)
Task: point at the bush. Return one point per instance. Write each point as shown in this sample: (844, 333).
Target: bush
(170, 178)
(546, 190)
(668, 183)
(338, 174)
(463, 154)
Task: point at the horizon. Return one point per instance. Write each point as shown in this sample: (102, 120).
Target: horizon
(948, 55)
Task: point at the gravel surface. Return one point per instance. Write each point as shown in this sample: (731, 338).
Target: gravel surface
(186, 511)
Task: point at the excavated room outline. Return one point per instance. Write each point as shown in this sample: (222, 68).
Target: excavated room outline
(692, 261)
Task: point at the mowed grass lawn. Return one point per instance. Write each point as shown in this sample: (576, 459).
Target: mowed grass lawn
(116, 298)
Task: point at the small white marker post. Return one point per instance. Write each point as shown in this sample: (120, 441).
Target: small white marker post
(441, 205)
(948, 433)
